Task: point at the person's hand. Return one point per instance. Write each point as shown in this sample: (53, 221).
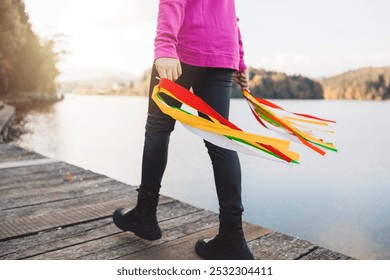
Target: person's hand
(241, 78)
(169, 68)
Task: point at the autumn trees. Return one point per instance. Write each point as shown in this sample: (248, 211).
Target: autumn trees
(27, 64)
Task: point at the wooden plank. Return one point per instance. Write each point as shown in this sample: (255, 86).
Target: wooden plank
(23, 174)
(74, 202)
(128, 243)
(128, 194)
(57, 238)
(13, 153)
(23, 163)
(66, 217)
(112, 246)
(64, 192)
(183, 248)
(57, 186)
(24, 185)
(62, 237)
(53, 188)
(278, 246)
(34, 224)
(324, 254)
(179, 249)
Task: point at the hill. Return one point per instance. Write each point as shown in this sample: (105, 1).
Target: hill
(362, 84)
(265, 84)
(278, 85)
(95, 81)
(370, 83)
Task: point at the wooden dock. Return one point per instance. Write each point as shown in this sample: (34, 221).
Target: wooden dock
(53, 210)
(7, 114)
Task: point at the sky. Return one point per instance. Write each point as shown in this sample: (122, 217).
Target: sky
(314, 38)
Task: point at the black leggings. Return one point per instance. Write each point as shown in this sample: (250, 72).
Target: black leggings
(213, 85)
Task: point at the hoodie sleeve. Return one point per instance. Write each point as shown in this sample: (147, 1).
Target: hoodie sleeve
(170, 18)
(242, 66)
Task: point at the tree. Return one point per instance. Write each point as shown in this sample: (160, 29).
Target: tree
(27, 64)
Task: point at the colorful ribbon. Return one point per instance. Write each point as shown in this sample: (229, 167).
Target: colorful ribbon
(261, 110)
(222, 132)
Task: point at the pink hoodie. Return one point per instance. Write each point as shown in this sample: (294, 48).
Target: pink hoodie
(200, 33)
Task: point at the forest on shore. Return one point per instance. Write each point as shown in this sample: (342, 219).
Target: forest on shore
(27, 63)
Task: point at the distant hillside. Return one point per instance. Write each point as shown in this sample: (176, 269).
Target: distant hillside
(95, 81)
(142, 85)
(103, 85)
(266, 84)
(86, 74)
(362, 84)
(277, 85)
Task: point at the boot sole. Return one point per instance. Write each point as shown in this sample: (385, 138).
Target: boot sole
(203, 251)
(143, 231)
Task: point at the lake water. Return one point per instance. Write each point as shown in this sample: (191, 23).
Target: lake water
(340, 201)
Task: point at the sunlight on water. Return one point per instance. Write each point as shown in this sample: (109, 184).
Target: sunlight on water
(340, 202)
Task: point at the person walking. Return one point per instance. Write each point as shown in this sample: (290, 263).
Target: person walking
(198, 45)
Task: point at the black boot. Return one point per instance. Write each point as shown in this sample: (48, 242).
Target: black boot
(142, 219)
(228, 244)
